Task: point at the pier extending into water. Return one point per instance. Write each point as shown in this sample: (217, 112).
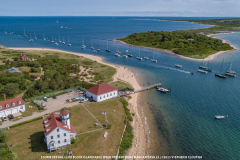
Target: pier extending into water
(140, 90)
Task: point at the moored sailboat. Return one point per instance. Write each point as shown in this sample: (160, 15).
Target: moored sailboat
(219, 74)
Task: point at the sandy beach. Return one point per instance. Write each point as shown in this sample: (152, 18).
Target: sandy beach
(210, 57)
(139, 145)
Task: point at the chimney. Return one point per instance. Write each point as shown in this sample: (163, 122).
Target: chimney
(4, 97)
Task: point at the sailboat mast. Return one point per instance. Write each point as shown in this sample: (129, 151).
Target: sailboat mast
(221, 67)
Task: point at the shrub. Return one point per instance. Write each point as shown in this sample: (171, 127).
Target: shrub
(73, 141)
(133, 114)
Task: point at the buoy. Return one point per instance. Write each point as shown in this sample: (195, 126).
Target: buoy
(227, 116)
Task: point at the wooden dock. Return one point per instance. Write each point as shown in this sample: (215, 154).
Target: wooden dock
(140, 90)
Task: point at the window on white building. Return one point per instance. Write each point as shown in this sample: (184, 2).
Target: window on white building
(100, 97)
(13, 104)
(58, 136)
(65, 140)
(58, 142)
(58, 130)
(7, 105)
(21, 107)
(111, 94)
(107, 95)
(0, 107)
(65, 134)
(19, 102)
(103, 96)
(51, 137)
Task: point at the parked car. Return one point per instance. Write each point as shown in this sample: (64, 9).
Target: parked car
(4, 118)
(45, 99)
(10, 116)
(54, 97)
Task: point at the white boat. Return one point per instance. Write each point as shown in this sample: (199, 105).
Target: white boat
(117, 55)
(178, 65)
(146, 58)
(94, 51)
(59, 40)
(63, 41)
(56, 41)
(229, 71)
(61, 27)
(125, 55)
(52, 40)
(92, 46)
(68, 42)
(163, 90)
(56, 21)
(139, 58)
(83, 46)
(44, 38)
(35, 36)
(202, 71)
(30, 38)
(97, 47)
(153, 60)
(219, 117)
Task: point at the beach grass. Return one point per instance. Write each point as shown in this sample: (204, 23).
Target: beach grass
(30, 111)
(27, 140)
(120, 84)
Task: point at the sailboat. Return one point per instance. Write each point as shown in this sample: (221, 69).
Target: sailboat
(145, 56)
(202, 71)
(35, 36)
(125, 55)
(56, 21)
(59, 40)
(204, 66)
(92, 46)
(139, 58)
(44, 38)
(63, 41)
(25, 34)
(30, 38)
(68, 42)
(78, 25)
(5, 31)
(108, 50)
(229, 71)
(97, 47)
(52, 40)
(56, 41)
(219, 74)
(61, 27)
(153, 60)
(83, 46)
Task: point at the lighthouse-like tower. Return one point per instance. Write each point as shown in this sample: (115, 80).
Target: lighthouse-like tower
(65, 116)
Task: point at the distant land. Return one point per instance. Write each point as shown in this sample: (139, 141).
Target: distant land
(193, 43)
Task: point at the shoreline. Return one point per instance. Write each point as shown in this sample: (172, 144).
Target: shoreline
(126, 75)
(210, 57)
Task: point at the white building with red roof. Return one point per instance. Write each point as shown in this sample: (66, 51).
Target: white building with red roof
(11, 106)
(58, 131)
(102, 92)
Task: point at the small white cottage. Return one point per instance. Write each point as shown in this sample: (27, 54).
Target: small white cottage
(11, 106)
(58, 131)
(102, 92)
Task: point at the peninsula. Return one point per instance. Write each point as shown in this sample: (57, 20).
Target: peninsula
(192, 43)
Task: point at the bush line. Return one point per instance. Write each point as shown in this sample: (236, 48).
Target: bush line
(25, 122)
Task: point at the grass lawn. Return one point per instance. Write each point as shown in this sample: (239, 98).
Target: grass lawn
(28, 138)
(29, 111)
(120, 84)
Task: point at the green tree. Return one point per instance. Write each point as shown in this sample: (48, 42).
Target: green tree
(11, 89)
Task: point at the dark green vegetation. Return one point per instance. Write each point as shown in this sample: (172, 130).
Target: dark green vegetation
(128, 133)
(25, 122)
(5, 152)
(60, 71)
(180, 42)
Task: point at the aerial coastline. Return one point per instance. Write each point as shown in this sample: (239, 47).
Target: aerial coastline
(124, 74)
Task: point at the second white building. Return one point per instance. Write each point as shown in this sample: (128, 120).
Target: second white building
(102, 92)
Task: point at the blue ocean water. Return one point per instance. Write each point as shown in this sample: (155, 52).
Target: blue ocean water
(185, 116)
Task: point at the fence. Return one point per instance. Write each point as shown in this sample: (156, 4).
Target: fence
(37, 99)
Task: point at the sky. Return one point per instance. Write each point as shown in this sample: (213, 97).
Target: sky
(161, 8)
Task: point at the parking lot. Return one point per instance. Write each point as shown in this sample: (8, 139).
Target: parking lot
(61, 100)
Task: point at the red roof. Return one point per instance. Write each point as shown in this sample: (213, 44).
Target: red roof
(18, 101)
(64, 111)
(54, 121)
(101, 89)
